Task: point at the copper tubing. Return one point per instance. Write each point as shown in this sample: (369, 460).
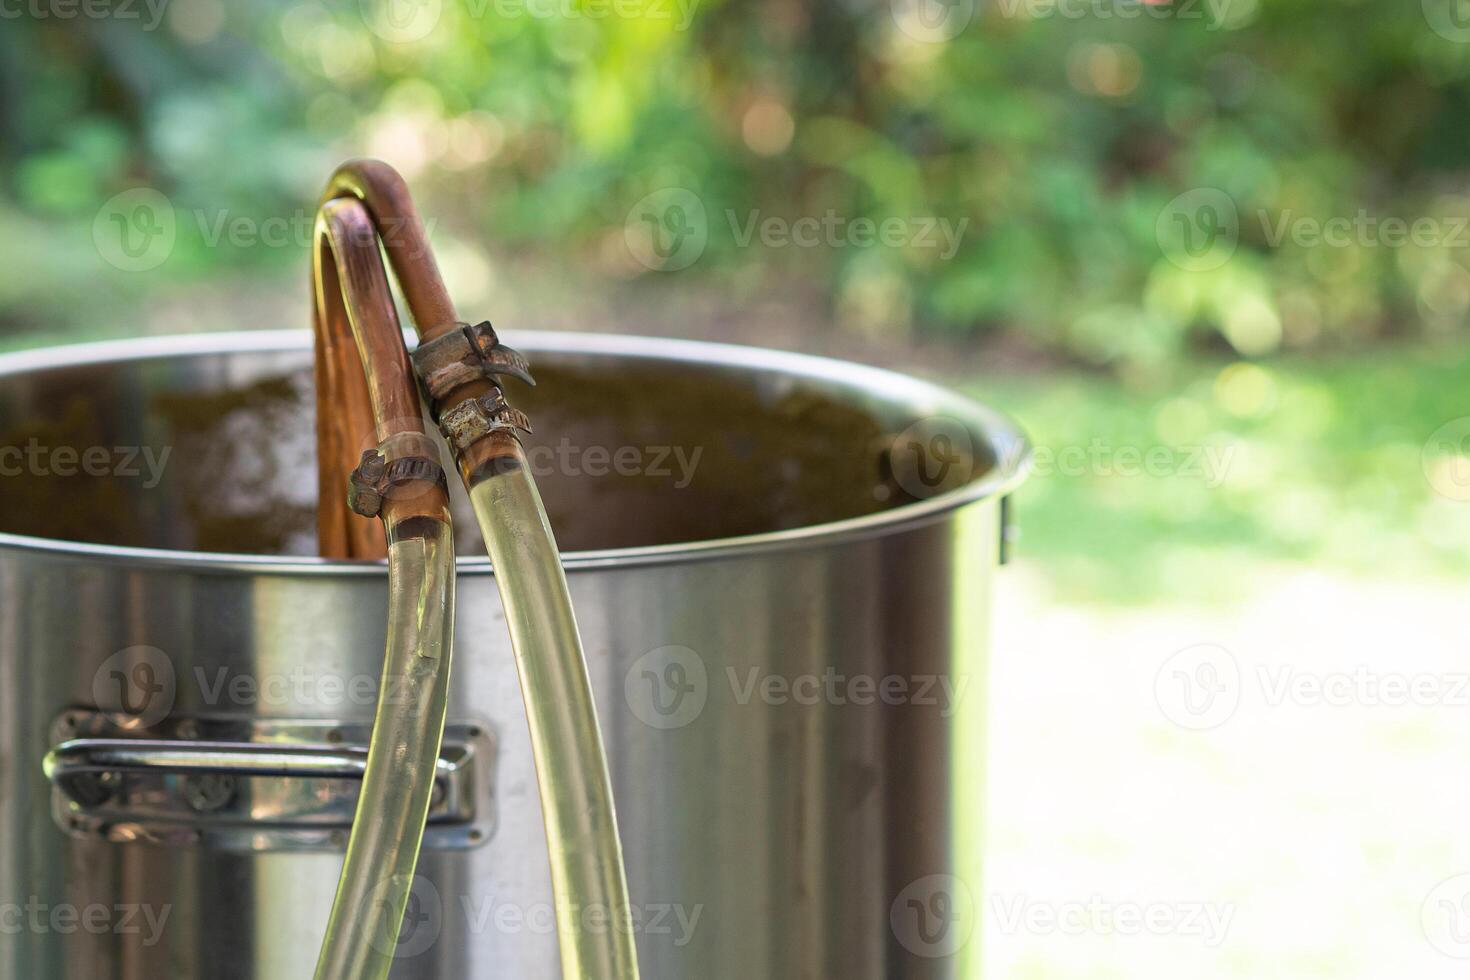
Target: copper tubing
(365, 199)
(366, 391)
(385, 194)
(367, 399)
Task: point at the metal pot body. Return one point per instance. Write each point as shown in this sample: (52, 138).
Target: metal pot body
(794, 720)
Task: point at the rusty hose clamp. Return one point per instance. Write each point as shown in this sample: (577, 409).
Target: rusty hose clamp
(464, 355)
(473, 419)
(401, 460)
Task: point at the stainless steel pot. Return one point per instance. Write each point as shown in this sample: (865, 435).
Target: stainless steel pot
(782, 570)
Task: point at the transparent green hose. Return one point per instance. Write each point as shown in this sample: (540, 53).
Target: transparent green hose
(576, 793)
(388, 827)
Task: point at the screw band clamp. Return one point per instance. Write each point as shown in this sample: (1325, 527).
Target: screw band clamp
(474, 419)
(458, 357)
(402, 459)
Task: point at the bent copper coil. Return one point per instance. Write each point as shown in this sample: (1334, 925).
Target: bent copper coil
(406, 242)
(366, 390)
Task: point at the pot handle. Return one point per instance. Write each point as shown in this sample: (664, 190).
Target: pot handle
(282, 786)
(69, 764)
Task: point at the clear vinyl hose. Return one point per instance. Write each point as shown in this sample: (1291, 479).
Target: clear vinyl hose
(402, 756)
(571, 769)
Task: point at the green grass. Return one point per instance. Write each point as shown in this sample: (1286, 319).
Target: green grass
(1323, 466)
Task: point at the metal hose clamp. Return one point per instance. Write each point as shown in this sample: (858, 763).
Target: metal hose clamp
(474, 419)
(401, 459)
(471, 353)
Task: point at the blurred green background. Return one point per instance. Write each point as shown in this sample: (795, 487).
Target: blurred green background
(1222, 225)
(1213, 254)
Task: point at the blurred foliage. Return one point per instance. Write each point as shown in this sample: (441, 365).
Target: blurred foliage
(1057, 131)
(1352, 464)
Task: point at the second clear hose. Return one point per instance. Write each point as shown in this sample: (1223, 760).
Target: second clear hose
(576, 792)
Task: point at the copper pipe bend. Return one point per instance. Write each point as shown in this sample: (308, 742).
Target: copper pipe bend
(367, 395)
(385, 195)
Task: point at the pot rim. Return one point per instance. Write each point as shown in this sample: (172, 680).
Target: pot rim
(1007, 443)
